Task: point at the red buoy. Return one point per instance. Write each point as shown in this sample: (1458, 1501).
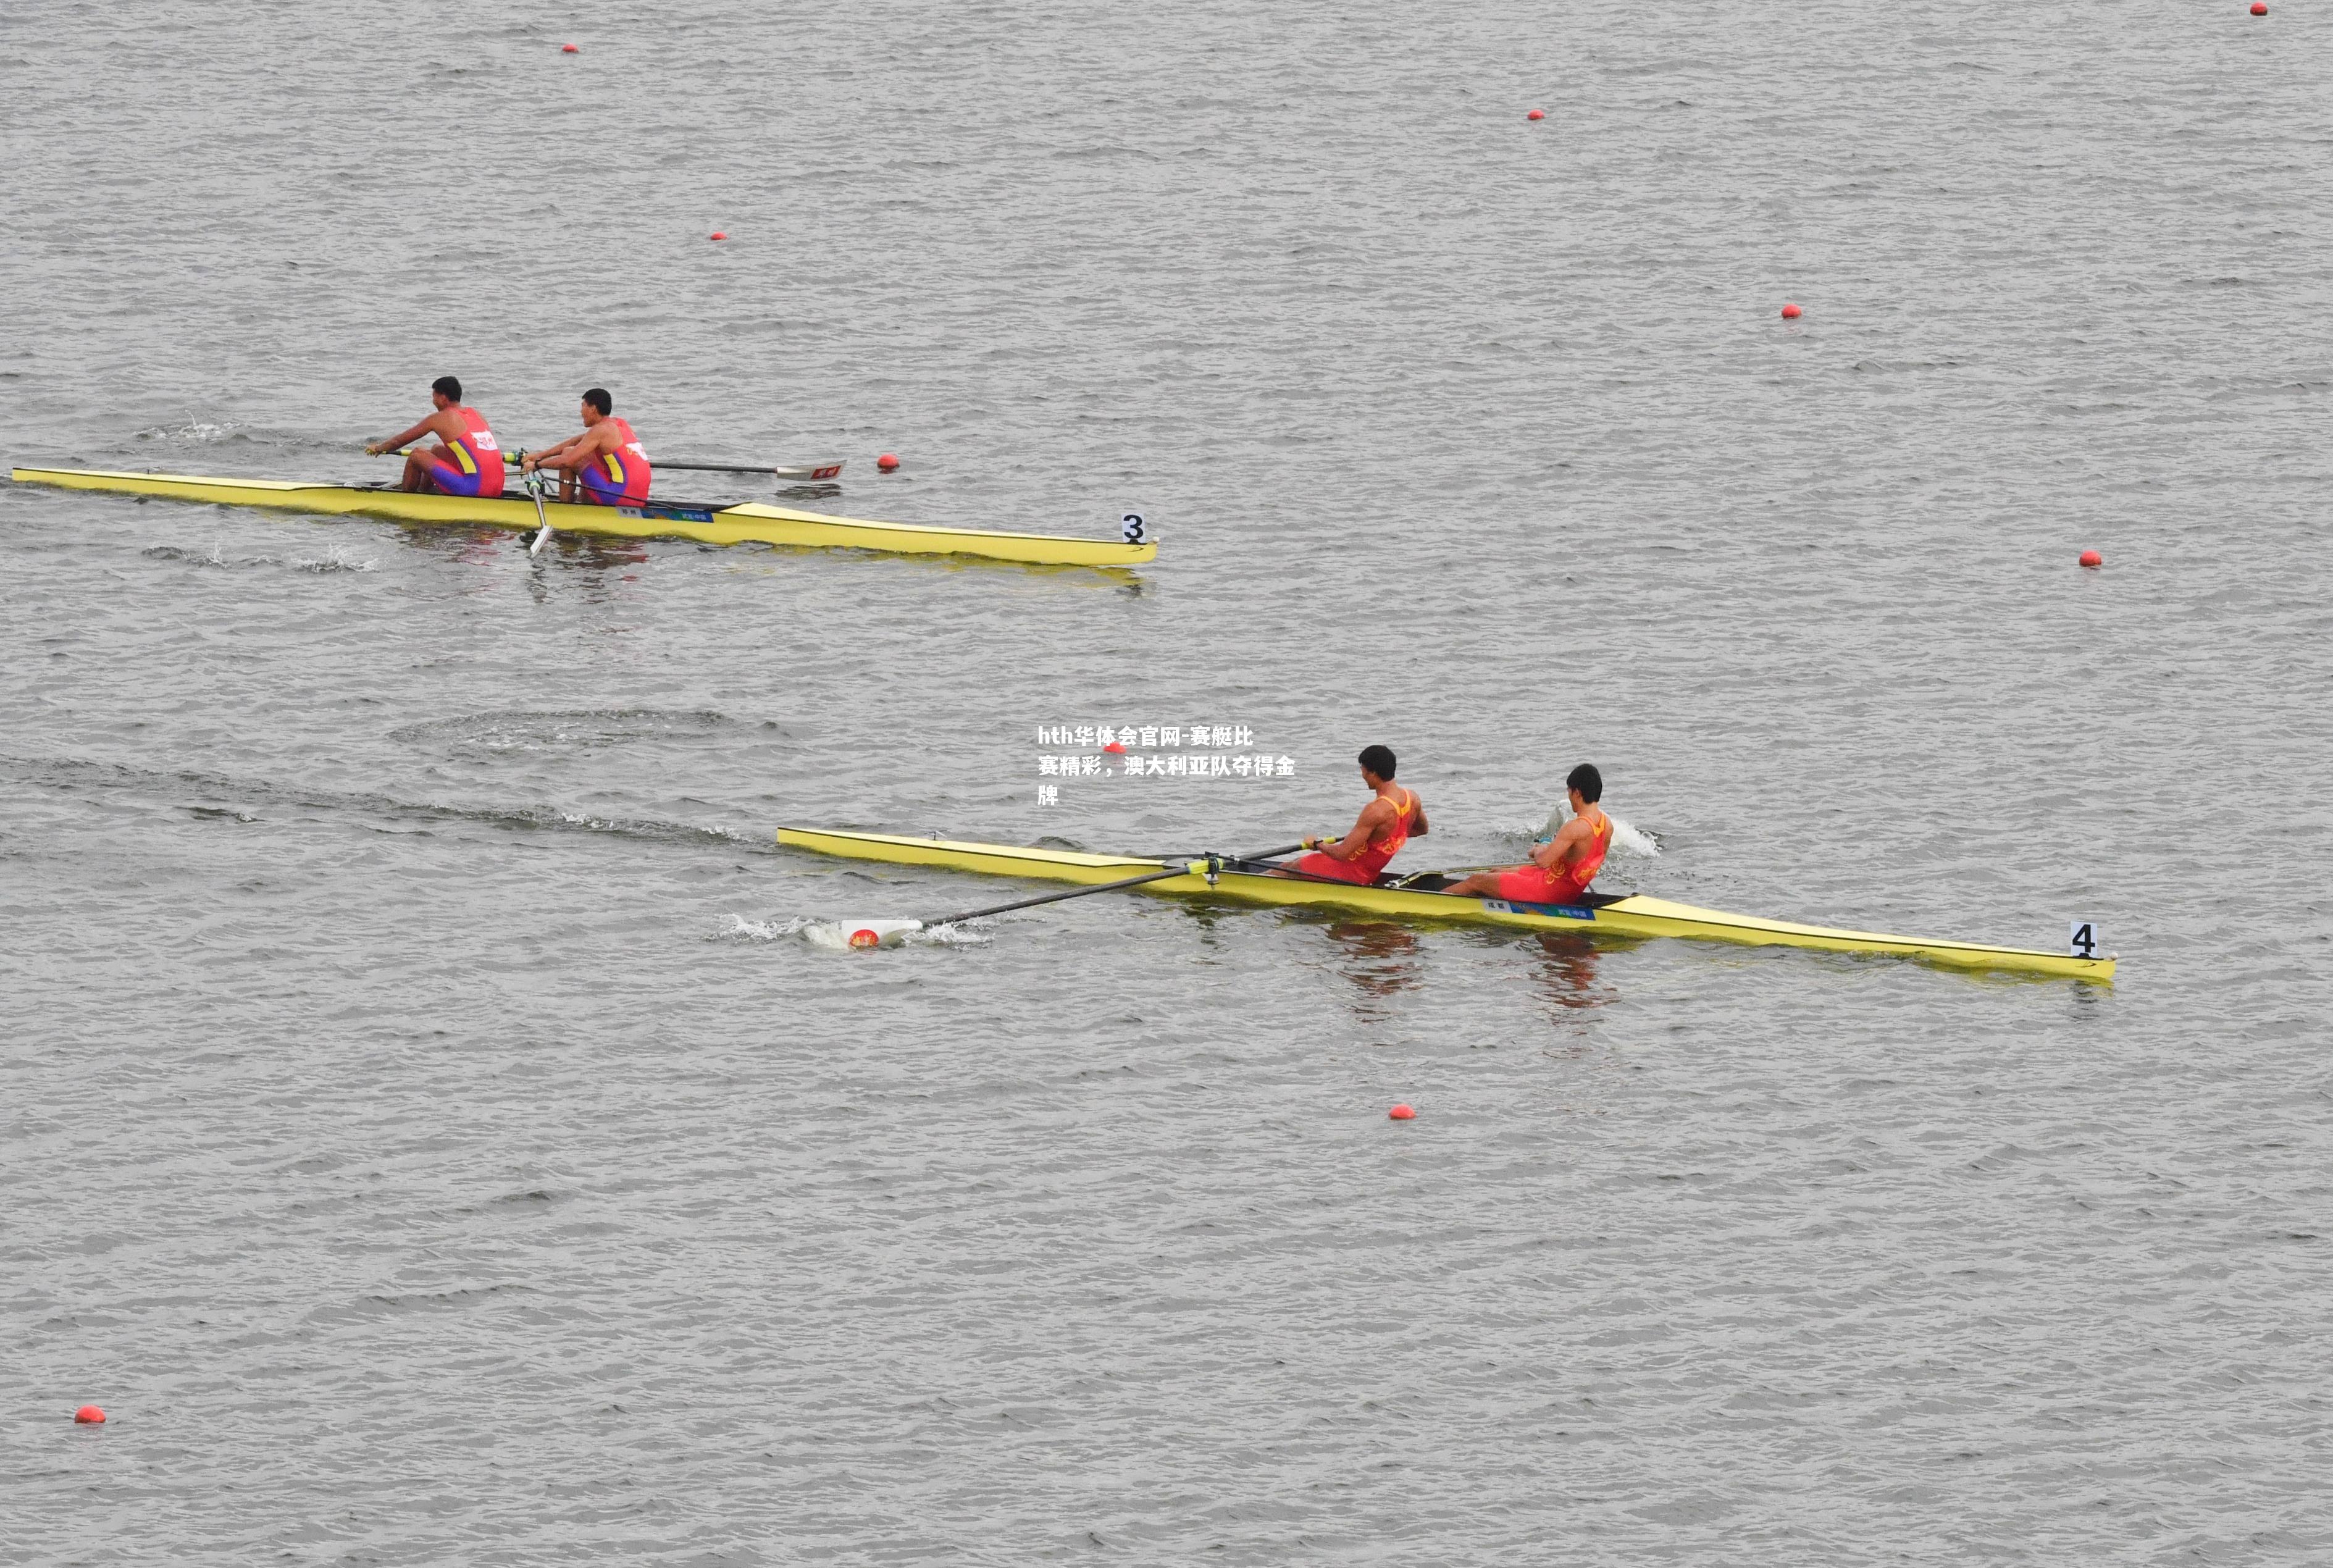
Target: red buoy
(887, 462)
(1536, 114)
(866, 938)
(89, 1416)
(1115, 748)
(720, 233)
(1791, 313)
(569, 49)
(2260, 7)
(2092, 558)
(1400, 1113)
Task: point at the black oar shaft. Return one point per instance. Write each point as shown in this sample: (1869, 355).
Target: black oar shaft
(1177, 869)
(782, 470)
(1159, 876)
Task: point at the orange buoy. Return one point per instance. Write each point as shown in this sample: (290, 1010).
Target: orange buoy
(89, 1416)
(887, 462)
(1115, 748)
(866, 938)
(1536, 114)
(720, 233)
(2260, 7)
(569, 49)
(1400, 1113)
(1791, 313)
(2092, 558)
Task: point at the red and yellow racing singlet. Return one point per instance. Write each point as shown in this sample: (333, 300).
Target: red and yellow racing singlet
(620, 477)
(1384, 845)
(1539, 885)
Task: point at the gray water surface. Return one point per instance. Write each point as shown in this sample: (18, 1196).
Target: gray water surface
(426, 1130)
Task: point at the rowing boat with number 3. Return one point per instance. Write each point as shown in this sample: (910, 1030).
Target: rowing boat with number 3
(1418, 898)
(742, 522)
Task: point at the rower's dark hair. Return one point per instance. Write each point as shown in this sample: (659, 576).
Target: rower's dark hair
(448, 385)
(1378, 760)
(597, 398)
(1587, 781)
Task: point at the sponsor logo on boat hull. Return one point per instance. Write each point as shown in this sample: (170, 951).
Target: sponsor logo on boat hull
(666, 513)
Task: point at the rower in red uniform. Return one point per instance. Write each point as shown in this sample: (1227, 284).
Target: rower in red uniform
(605, 466)
(1385, 825)
(1559, 869)
(466, 462)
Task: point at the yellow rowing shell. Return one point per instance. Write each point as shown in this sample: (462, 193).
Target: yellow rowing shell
(746, 523)
(1632, 916)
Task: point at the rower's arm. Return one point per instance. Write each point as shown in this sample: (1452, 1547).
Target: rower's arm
(1552, 854)
(1418, 824)
(1351, 845)
(427, 427)
(595, 442)
(556, 457)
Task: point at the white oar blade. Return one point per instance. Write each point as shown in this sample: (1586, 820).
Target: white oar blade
(844, 935)
(541, 538)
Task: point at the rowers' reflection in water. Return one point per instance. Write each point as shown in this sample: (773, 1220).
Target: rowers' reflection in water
(470, 547)
(1381, 960)
(601, 560)
(1563, 972)
(497, 546)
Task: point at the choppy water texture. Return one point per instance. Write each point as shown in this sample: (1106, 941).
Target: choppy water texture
(424, 1128)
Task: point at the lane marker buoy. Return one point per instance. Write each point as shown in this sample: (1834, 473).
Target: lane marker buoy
(1400, 1113)
(887, 462)
(89, 1416)
(1536, 114)
(2092, 558)
(1791, 313)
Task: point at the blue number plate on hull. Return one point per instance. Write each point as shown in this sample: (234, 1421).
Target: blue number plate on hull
(666, 513)
(1563, 912)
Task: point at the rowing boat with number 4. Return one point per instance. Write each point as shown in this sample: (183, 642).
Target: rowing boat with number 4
(1418, 898)
(742, 522)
